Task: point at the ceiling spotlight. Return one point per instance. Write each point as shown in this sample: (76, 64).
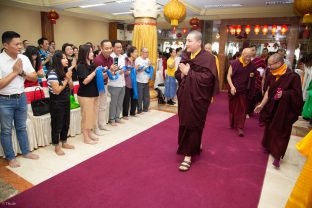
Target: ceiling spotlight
(91, 5)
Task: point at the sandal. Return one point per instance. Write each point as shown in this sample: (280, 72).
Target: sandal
(185, 166)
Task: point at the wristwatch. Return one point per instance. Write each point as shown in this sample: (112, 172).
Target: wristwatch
(23, 74)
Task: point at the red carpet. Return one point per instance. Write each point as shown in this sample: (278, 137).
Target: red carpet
(143, 171)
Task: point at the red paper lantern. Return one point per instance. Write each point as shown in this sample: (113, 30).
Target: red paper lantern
(194, 22)
(257, 29)
(284, 29)
(238, 29)
(53, 16)
(179, 35)
(232, 30)
(247, 29)
(265, 29)
(274, 29)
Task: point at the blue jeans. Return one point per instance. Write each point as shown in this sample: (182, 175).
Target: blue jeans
(13, 110)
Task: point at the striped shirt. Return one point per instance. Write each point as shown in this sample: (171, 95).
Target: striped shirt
(52, 77)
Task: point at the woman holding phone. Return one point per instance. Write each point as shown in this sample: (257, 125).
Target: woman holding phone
(87, 93)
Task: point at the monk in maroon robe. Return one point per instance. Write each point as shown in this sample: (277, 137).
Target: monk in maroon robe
(281, 105)
(198, 82)
(255, 95)
(240, 79)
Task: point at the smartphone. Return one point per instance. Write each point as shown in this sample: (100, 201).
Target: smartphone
(116, 61)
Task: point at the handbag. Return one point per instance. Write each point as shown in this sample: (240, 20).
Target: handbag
(73, 103)
(40, 106)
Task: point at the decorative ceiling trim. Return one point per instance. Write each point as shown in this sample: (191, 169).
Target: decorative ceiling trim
(46, 2)
(286, 9)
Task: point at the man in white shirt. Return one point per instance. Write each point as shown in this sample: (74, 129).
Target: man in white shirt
(282, 52)
(116, 87)
(14, 69)
(142, 81)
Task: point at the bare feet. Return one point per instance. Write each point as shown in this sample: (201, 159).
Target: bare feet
(59, 151)
(31, 156)
(93, 136)
(125, 118)
(14, 163)
(90, 141)
(119, 121)
(68, 146)
(113, 123)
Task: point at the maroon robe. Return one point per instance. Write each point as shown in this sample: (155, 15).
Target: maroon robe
(243, 83)
(279, 115)
(194, 96)
(255, 96)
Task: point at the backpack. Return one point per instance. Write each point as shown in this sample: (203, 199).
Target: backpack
(160, 96)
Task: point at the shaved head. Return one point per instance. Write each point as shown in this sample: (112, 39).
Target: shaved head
(276, 57)
(196, 34)
(247, 51)
(193, 41)
(246, 55)
(208, 47)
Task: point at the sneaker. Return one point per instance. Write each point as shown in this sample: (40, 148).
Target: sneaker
(105, 128)
(119, 121)
(99, 132)
(169, 102)
(113, 123)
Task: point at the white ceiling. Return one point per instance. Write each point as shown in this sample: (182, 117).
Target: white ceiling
(249, 9)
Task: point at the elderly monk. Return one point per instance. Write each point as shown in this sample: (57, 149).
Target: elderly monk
(280, 107)
(198, 82)
(208, 48)
(240, 79)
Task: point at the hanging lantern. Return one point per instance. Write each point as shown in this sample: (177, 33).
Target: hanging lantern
(304, 7)
(238, 29)
(265, 29)
(306, 32)
(227, 30)
(232, 30)
(274, 29)
(179, 35)
(247, 29)
(53, 16)
(184, 31)
(194, 22)
(284, 29)
(257, 29)
(175, 11)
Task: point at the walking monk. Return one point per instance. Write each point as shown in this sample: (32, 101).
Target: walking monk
(240, 79)
(281, 105)
(198, 82)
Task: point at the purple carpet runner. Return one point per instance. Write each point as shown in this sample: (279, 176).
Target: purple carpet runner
(143, 171)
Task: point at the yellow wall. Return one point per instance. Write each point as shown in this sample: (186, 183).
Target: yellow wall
(79, 31)
(67, 29)
(25, 22)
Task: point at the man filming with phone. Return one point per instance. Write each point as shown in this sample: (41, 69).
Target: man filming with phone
(116, 87)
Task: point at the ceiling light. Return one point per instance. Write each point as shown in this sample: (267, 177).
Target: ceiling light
(121, 13)
(92, 5)
(222, 5)
(124, 1)
(279, 2)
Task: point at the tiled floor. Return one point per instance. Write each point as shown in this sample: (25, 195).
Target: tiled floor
(276, 188)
